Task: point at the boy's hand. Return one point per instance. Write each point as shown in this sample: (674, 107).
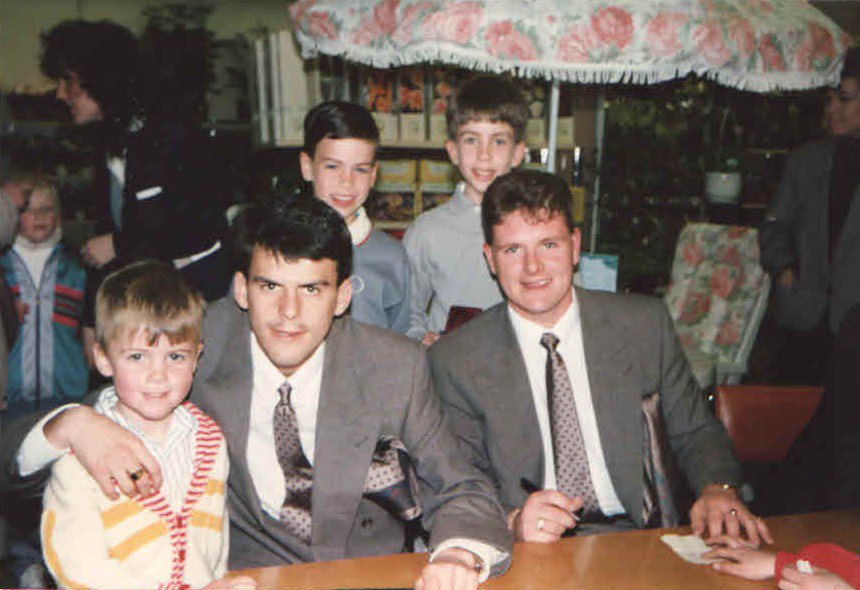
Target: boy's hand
(752, 564)
(109, 452)
(452, 569)
(819, 579)
(99, 250)
(545, 516)
(430, 338)
(21, 310)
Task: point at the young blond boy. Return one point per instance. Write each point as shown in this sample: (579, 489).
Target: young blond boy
(339, 159)
(148, 329)
(486, 123)
(46, 366)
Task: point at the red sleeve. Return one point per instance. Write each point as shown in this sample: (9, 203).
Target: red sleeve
(829, 556)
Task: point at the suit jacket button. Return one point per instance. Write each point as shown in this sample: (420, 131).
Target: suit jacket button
(366, 523)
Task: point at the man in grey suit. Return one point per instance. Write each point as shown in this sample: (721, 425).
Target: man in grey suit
(349, 387)
(810, 239)
(499, 382)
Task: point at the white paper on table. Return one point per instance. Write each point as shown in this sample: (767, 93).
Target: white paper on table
(688, 547)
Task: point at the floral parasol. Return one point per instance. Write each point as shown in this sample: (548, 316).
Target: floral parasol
(758, 45)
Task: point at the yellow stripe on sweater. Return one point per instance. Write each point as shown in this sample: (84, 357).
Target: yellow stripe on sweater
(48, 522)
(214, 486)
(204, 520)
(146, 535)
(116, 514)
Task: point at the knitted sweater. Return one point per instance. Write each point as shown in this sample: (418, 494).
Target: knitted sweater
(90, 541)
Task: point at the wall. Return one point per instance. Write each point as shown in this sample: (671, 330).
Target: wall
(23, 20)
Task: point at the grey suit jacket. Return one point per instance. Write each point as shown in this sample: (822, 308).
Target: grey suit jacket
(795, 234)
(630, 350)
(374, 383)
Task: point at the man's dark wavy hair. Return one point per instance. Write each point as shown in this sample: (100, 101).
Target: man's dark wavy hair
(294, 226)
(531, 191)
(106, 58)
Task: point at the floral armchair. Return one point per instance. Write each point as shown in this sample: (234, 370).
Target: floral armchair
(717, 296)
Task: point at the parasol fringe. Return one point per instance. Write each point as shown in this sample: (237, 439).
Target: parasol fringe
(563, 72)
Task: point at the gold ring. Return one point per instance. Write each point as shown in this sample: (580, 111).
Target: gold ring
(733, 512)
(540, 524)
(136, 474)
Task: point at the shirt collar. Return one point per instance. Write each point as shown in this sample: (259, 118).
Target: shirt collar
(182, 422)
(360, 227)
(531, 332)
(460, 202)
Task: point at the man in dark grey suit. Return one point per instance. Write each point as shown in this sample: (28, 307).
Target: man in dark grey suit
(810, 239)
(499, 383)
(350, 388)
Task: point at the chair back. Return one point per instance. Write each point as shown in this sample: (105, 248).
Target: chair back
(717, 294)
(763, 420)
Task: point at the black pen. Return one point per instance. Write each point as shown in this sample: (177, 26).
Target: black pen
(527, 486)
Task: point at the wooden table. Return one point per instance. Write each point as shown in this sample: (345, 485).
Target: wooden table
(630, 561)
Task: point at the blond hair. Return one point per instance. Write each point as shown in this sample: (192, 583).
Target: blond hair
(151, 296)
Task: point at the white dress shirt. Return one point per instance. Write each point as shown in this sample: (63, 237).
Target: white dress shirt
(568, 329)
(263, 463)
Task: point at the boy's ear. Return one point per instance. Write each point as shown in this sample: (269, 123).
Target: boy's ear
(451, 147)
(306, 163)
(101, 360)
(519, 154)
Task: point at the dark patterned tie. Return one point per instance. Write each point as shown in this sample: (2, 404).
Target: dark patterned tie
(571, 460)
(298, 474)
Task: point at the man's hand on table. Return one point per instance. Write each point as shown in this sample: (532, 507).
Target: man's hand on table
(112, 455)
(719, 511)
(451, 569)
(544, 517)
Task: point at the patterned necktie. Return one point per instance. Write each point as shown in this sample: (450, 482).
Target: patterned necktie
(298, 474)
(571, 461)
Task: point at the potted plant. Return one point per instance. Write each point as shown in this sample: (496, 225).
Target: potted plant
(722, 160)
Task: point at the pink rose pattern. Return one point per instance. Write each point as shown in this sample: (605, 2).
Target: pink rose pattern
(457, 23)
(720, 34)
(663, 33)
(504, 41)
(715, 279)
(613, 26)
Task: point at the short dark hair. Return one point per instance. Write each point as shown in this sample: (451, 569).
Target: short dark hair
(491, 98)
(532, 191)
(294, 225)
(336, 119)
(851, 66)
(106, 58)
(148, 295)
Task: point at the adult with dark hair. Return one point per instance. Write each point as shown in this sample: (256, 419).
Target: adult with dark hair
(157, 193)
(810, 239)
(335, 436)
(547, 391)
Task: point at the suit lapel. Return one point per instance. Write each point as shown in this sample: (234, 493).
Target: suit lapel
(228, 396)
(504, 373)
(346, 434)
(611, 377)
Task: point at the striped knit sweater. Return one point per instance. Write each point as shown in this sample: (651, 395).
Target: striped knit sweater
(90, 541)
